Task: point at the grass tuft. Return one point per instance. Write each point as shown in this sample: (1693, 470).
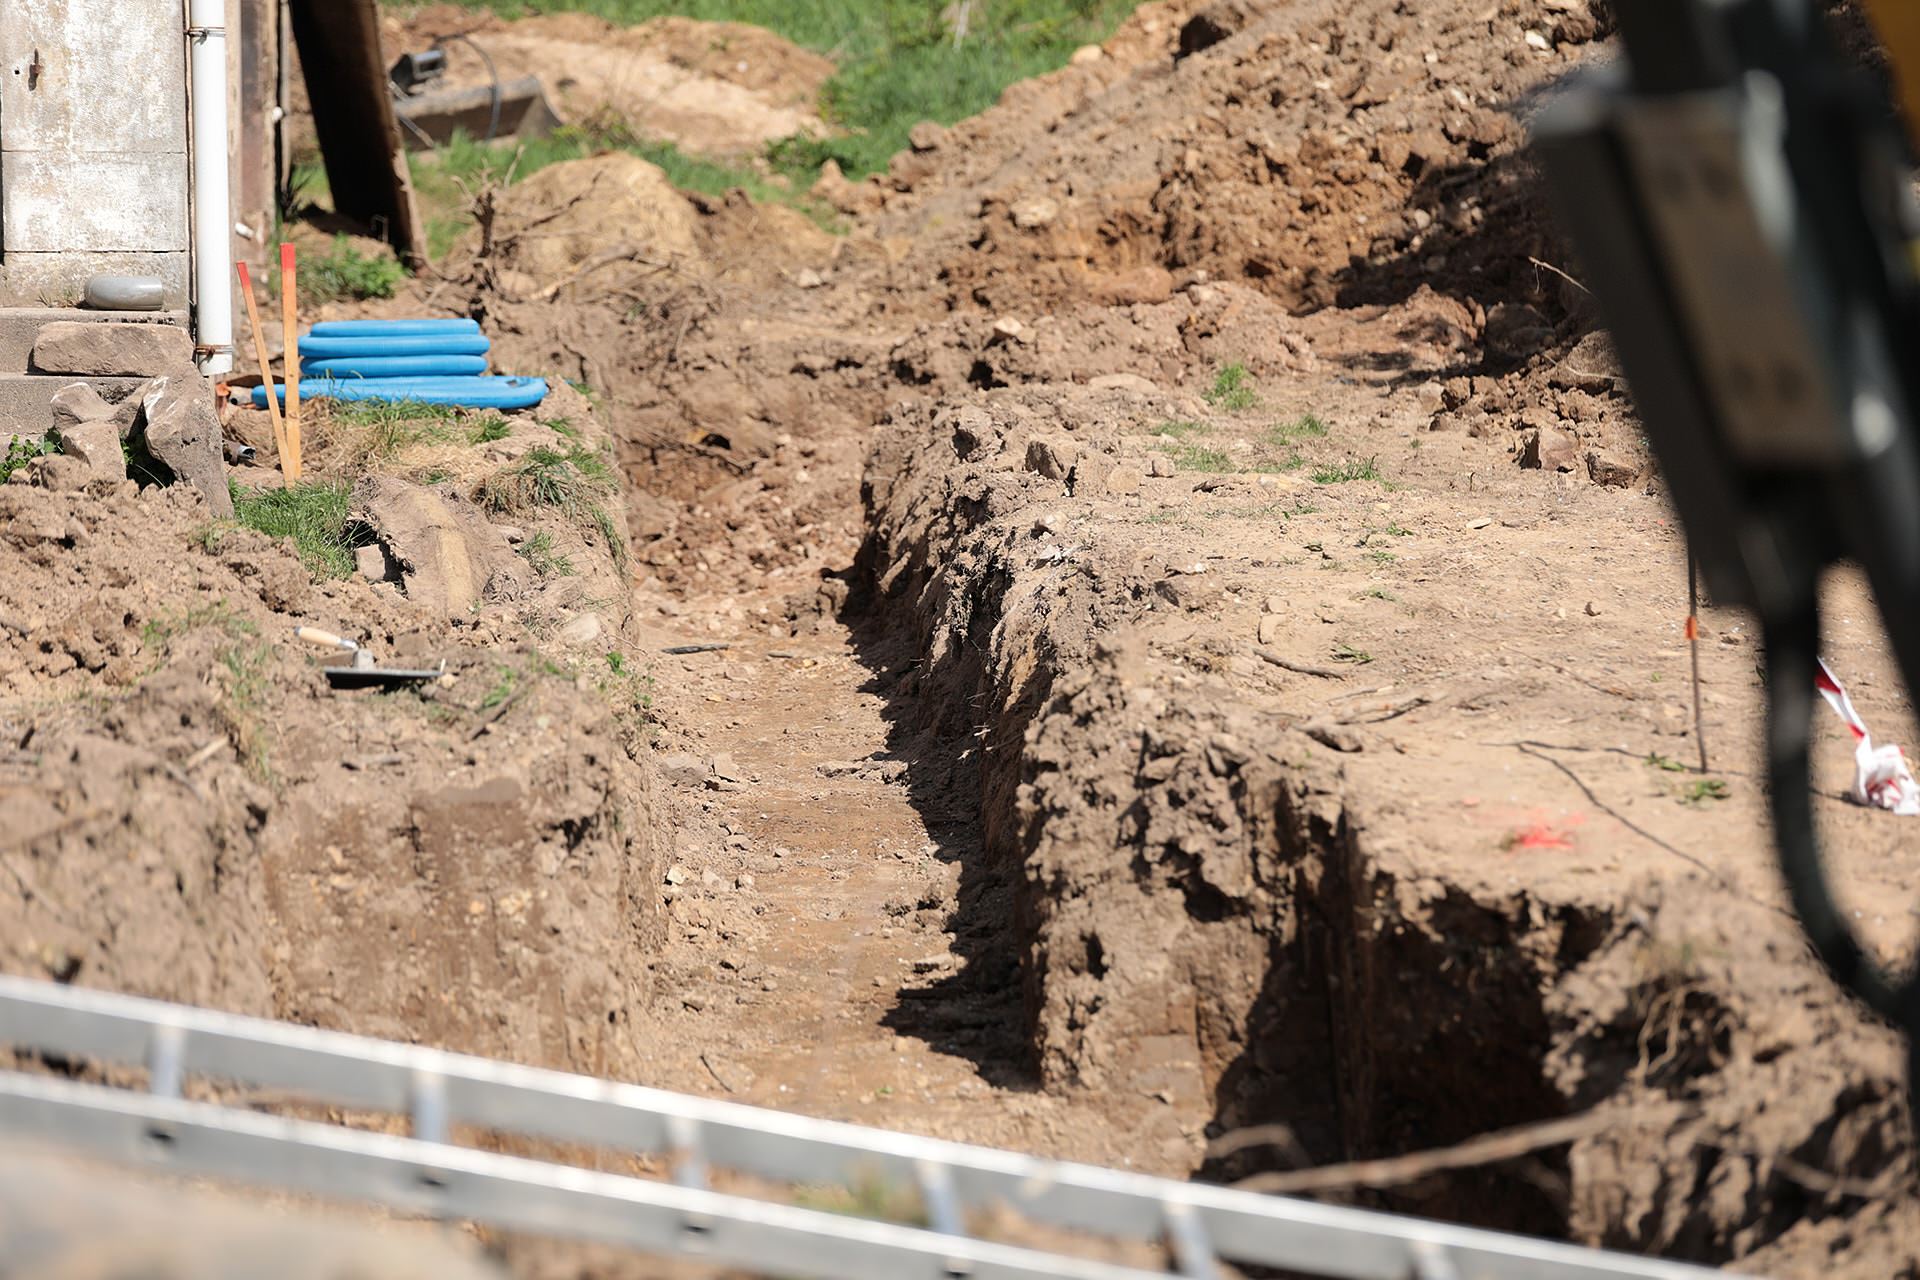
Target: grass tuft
(1193, 457)
(570, 481)
(1351, 469)
(344, 272)
(315, 516)
(1305, 427)
(1232, 389)
(538, 552)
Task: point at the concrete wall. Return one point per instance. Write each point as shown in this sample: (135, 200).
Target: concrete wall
(93, 146)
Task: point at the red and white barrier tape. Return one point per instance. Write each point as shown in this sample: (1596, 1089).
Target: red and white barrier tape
(1880, 774)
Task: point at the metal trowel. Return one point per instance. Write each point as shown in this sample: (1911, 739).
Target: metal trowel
(360, 671)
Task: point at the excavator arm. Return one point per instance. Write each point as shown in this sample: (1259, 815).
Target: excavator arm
(1743, 201)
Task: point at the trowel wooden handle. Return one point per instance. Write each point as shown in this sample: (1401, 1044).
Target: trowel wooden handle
(314, 635)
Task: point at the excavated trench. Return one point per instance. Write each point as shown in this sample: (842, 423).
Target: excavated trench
(1189, 891)
(1292, 988)
(1214, 925)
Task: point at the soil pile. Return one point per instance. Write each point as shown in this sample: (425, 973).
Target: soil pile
(1238, 681)
(719, 88)
(194, 814)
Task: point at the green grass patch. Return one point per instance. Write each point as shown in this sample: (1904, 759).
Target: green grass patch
(625, 686)
(1179, 430)
(345, 272)
(898, 61)
(1305, 427)
(1232, 389)
(1704, 790)
(1193, 457)
(575, 481)
(568, 480)
(538, 552)
(489, 429)
(1350, 470)
(315, 516)
(387, 427)
(24, 449)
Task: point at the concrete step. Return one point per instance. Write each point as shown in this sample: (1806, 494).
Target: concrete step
(26, 399)
(19, 326)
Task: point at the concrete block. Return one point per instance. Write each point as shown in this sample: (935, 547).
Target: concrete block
(59, 280)
(20, 326)
(111, 350)
(103, 202)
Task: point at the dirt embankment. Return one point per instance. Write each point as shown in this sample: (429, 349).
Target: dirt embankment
(1319, 776)
(193, 813)
(1251, 633)
(1266, 700)
(715, 88)
(1338, 894)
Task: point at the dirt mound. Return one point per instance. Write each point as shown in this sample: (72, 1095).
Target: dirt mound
(1157, 335)
(713, 87)
(193, 813)
(581, 212)
(1257, 862)
(1142, 748)
(1321, 151)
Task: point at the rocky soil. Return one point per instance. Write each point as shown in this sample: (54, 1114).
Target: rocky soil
(1203, 647)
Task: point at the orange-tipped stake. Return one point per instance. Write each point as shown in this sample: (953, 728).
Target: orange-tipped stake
(290, 336)
(266, 370)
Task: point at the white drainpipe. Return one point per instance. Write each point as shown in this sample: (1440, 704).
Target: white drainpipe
(212, 242)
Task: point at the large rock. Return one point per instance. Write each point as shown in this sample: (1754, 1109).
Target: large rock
(1052, 456)
(77, 404)
(104, 349)
(95, 442)
(181, 428)
(1550, 449)
(442, 553)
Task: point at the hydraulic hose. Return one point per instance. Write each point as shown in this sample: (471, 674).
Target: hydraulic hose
(1792, 642)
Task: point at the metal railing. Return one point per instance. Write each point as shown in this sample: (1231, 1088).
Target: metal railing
(1191, 1226)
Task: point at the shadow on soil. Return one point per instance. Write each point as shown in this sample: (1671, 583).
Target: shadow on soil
(975, 1013)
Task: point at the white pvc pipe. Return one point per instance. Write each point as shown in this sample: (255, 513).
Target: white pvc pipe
(212, 243)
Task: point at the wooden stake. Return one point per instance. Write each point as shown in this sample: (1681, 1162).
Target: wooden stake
(1693, 650)
(290, 338)
(266, 369)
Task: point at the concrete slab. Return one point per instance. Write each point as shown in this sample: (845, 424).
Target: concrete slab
(60, 279)
(99, 201)
(19, 326)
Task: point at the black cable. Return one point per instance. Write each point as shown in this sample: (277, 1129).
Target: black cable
(493, 122)
(1791, 643)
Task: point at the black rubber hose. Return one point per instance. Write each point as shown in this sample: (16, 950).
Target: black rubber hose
(493, 122)
(1792, 642)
